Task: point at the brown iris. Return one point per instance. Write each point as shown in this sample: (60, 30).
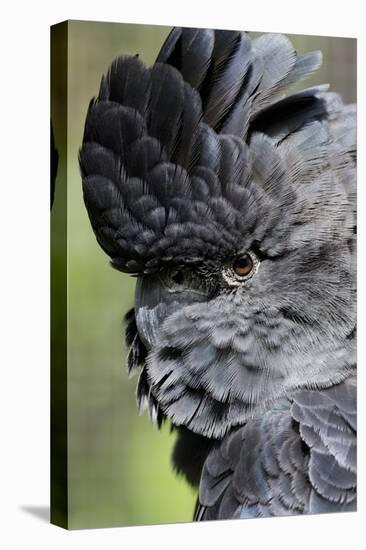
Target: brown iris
(243, 265)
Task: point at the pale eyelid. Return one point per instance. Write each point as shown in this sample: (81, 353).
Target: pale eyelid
(235, 280)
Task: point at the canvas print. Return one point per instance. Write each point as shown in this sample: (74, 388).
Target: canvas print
(204, 235)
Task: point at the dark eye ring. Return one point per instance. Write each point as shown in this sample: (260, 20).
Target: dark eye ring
(242, 268)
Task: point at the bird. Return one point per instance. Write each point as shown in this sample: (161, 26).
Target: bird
(232, 200)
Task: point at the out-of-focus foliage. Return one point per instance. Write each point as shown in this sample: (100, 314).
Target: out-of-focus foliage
(119, 465)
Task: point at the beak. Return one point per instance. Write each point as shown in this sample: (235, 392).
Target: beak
(155, 301)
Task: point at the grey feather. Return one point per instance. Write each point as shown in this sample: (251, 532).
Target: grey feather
(270, 468)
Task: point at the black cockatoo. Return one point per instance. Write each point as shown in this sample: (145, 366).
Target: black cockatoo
(234, 205)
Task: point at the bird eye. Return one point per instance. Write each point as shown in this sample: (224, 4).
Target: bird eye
(241, 269)
(243, 265)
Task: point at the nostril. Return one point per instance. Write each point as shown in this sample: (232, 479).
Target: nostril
(178, 277)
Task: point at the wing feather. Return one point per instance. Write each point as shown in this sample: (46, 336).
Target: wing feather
(289, 461)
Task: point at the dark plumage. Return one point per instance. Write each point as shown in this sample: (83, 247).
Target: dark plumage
(189, 166)
(299, 457)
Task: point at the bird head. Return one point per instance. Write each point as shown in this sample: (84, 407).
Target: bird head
(234, 207)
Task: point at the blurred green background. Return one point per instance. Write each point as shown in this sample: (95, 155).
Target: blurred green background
(119, 470)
